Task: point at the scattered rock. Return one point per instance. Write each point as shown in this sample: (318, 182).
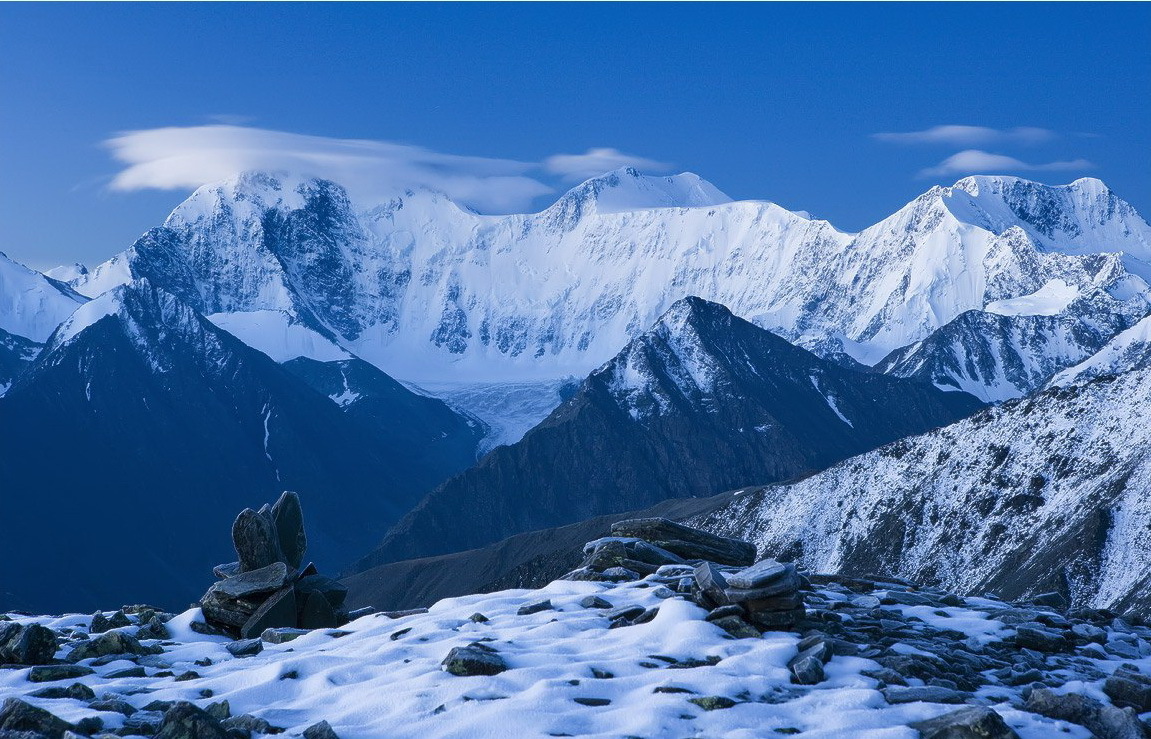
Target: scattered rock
(281, 636)
(26, 645)
(245, 647)
(974, 722)
(322, 730)
(593, 701)
(76, 691)
(52, 673)
(108, 643)
(16, 715)
(186, 721)
(712, 702)
(1129, 688)
(1105, 722)
(925, 693)
(474, 659)
(543, 605)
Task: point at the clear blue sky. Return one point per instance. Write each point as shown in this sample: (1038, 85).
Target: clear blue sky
(774, 101)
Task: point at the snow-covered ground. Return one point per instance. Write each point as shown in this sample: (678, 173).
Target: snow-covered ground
(381, 677)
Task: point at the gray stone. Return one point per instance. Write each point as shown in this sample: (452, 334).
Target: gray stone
(282, 636)
(113, 705)
(142, 723)
(474, 659)
(111, 642)
(594, 601)
(52, 673)
(256, 540)
(687, 542)
(279, 610)
(322, 730)
(925, 693)
(16, 715)
(759, 574)
(1050, 600)
(529, 609)
(712, 702)
(248, 722)
(255, 582)
(219, 710)
(807, 670)
(26, 645)
(1128, 688)
(245, 647)
(785, 584)
(736, 626)
(711, 583)
(1105, 722)
(973, 722)
(186, 721)
(1040, 639)
(288, 517)
(76, 691)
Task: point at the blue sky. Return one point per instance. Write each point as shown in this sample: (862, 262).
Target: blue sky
(774, 101)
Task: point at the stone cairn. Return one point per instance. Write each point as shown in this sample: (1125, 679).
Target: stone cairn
(744, 597)
(267, 588)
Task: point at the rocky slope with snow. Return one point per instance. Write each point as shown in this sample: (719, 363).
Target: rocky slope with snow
(146, 424)
(1044, 493)
(435, 293)
(31, 304)
(700, 403)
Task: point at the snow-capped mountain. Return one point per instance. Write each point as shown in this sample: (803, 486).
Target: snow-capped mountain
(32, 305)
(1039, 494)
(702, 402)
(431, 292)
(142, 423)
(1128, 350)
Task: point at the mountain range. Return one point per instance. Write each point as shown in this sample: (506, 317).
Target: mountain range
(385, 359)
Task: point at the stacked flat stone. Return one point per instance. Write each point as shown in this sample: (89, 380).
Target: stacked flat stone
(767, 595)
(266, 588)
(639, 547)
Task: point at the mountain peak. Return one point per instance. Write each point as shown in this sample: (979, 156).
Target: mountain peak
(627, 189)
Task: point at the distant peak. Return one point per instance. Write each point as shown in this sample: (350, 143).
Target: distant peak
(627, 189)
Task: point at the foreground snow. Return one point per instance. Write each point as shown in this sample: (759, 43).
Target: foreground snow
(381, 677)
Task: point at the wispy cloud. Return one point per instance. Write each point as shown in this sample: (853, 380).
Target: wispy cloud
(191, 156)
(958, 135)
(574, 167)
(974, 161)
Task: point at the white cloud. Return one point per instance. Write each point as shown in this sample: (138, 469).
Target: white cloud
(957, 135)
(974, 161)
(573, 167)
(187, 157)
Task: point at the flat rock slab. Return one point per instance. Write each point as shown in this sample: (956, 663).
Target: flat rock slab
(759, 574)
(279, 610)
(245, 647)
(288, 517)
(187, 721)
(926, 694)
(282, 636)
(255, 582)
(687, 542)
(18, 716)
(52, 673)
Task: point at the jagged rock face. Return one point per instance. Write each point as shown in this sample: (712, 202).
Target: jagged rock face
(701, 403)
(157, 423)
(1047, 493)
(997, 357)
(1128, 350)
(429, 291)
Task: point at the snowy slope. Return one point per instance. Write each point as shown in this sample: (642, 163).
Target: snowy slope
(1047, 493)
(431, 292)
(1128, 350)
(32, 305)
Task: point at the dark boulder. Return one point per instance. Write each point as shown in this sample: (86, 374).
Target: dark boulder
(256, 539)
(279, 610)
(322, 730)
(1105, 722)
(187, 721)
(26, 645)
(974, 722)
(266, 579)
(288, 517)
(687, 542)
(473, 659)
(16, 715)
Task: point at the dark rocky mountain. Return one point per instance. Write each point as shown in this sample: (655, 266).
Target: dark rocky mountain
(142, 425)
(1047, 493)
(16, 353)
(702, 402)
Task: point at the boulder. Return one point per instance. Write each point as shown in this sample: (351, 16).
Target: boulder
(687, 542)
(317, 613)
(761, 573)
(973, 722)
(111, 642)
(281, 636)
(16, 716)
(807, 670)
(1128, 688)
(473, 659)
(187, 721)
(1105, 722)
(256, 540)
(245, 647)
(52, 673)
(322, 730)
(288, 517)
(334, 591)
(26, 645)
